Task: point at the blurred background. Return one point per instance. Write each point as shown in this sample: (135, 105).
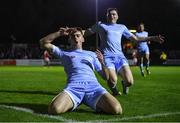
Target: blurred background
(24, 22)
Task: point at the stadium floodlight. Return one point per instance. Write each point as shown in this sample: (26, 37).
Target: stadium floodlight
(96, 11)
(96, 21)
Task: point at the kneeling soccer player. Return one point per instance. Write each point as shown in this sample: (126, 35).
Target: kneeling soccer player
(82, 85)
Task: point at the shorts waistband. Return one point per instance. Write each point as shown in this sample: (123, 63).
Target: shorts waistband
(82, 83)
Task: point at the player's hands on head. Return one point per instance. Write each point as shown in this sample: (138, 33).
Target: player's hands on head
(64, 31)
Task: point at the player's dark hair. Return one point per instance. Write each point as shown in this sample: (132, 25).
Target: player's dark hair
(112, 9)
(138, 25)
(141, 23)
(74, 30)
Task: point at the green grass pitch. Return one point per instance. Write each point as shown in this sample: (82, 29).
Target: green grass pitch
(25, 93)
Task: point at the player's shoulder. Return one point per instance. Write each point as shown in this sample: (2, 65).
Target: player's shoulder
(121, 26)
(88, 52)
(116, 24)
(91, 53)
(56, 49)
(145, 32)
(102, 24)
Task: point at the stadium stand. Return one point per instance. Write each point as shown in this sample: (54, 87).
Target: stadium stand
(12, 54)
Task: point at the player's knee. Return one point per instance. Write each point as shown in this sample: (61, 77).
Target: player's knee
(53, 109)
(117, 109)
(130, 81)
(112, 83)
(113, 80)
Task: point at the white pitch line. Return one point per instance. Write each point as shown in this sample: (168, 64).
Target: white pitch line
(59, 118)
(137, 117)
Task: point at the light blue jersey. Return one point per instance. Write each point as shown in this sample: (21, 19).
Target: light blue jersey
(82, 85)
(110, 43)
(110, 37)
(142, 46)
(78, 64)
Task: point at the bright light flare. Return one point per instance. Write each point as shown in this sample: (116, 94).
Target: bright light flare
(132, 30)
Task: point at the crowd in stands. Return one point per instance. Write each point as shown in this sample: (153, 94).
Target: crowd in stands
(33, 51)
(20, 52)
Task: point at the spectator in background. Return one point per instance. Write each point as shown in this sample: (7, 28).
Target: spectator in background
(163, 57)
(46, 56)
(134, 57)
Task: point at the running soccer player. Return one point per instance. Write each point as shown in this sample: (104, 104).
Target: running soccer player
(110, 34)
(143, 50)
(82, 85)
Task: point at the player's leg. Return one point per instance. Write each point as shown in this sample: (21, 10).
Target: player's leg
(141, 66)
(60, 104)
(112, 82)
(48, 63)
(147, 61)
(140, 62)
(127, 78)
(109, 104)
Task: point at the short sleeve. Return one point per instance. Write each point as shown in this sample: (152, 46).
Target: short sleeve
(127, 33)
(57, 51)
(97, 64)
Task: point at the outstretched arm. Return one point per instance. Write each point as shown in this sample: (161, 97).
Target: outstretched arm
(104, 73)
(87, 32)
(159, 38)
(46, 41)
(92, 30)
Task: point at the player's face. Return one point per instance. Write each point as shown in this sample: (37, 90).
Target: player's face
(141, 27)
(77, 39)
(112, 16)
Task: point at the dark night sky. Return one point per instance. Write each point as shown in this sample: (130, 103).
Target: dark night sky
(29, 20)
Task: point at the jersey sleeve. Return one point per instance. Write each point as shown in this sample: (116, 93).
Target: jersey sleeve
(127, 33)
(57, 51)
(97, 64)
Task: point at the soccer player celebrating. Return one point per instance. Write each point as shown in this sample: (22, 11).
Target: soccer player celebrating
(82, 85)
(143, 50)
(110, 34)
